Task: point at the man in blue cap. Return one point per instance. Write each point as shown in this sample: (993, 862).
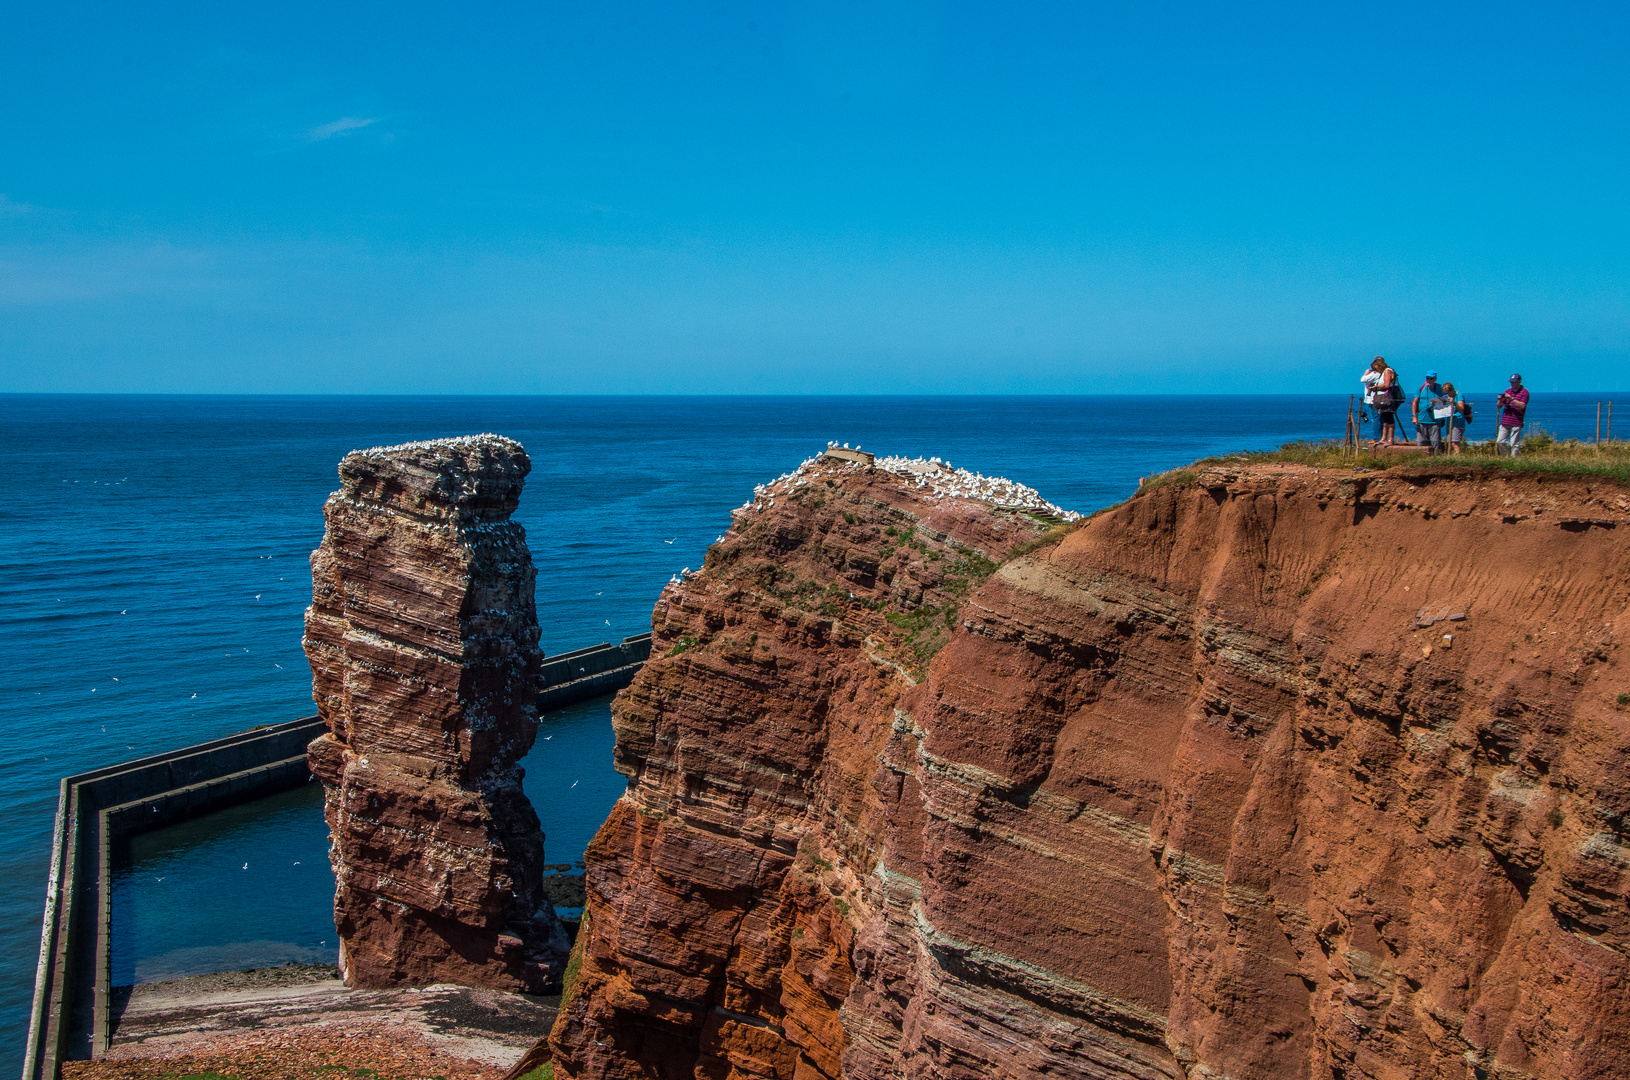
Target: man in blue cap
(1428, 426)
(1513, 406)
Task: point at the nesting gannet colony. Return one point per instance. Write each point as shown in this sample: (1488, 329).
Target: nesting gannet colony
(931, 475)
(942, 478)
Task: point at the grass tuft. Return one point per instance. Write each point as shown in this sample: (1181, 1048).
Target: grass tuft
(811, 847)
(926, 629)
(574, 964)
(1167, 479)
(1046, 539)
(970, 569)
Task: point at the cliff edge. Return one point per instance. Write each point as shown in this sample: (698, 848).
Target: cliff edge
(1271, 772)
(423, 641)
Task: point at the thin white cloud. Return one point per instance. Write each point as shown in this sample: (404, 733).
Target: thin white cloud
(12, 208)
(343, 126)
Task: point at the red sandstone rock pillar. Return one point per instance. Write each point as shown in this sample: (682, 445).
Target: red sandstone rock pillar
(423, 642)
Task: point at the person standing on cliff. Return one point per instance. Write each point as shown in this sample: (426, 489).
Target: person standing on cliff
(1428, 425)
(1388, 396)
(1513, 406)
(1455, 426)
(1371, 379)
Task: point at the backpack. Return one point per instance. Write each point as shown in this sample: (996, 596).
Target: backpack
(1466, 411)
(1397, 392)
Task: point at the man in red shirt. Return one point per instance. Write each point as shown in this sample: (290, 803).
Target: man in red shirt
(1513, 406)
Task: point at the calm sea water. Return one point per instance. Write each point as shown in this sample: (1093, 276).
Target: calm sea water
(153, 574)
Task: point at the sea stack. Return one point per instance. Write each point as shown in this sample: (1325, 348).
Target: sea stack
(423, 641)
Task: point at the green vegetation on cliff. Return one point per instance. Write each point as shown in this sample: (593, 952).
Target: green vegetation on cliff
(1540, 454)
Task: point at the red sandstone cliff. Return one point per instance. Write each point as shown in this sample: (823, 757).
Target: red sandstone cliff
(1218, 785)
(423, 641)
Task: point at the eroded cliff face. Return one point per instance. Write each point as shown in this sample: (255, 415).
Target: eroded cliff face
(1271, 773)
(423, 642)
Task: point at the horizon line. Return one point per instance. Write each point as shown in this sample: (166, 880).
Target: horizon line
(654, 395)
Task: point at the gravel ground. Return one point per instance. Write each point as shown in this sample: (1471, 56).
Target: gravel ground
(299, 1022)
(291, 1055)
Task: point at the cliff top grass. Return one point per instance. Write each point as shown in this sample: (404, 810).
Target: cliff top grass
(1541, 453)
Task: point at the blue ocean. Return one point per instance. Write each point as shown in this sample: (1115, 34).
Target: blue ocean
(154, 573)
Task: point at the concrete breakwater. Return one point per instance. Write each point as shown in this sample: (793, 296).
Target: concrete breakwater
(73, 982)
(71, 1018)
(584, 673)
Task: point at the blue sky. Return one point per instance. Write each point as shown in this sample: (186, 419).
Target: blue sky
(811, 198)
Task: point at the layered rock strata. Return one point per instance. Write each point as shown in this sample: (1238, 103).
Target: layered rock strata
(1270, 772)
(423, 642)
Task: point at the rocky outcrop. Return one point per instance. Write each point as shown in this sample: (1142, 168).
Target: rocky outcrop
(423, 642)
(1269, 772)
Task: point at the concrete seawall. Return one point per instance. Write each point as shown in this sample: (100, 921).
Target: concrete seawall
(73, 981)
(586, 673)
(71, 1018)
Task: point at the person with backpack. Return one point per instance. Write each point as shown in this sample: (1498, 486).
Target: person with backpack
(1370, 380)
(1428, 424)
(1388, 397)
(1513, 406)
(1460, 414)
